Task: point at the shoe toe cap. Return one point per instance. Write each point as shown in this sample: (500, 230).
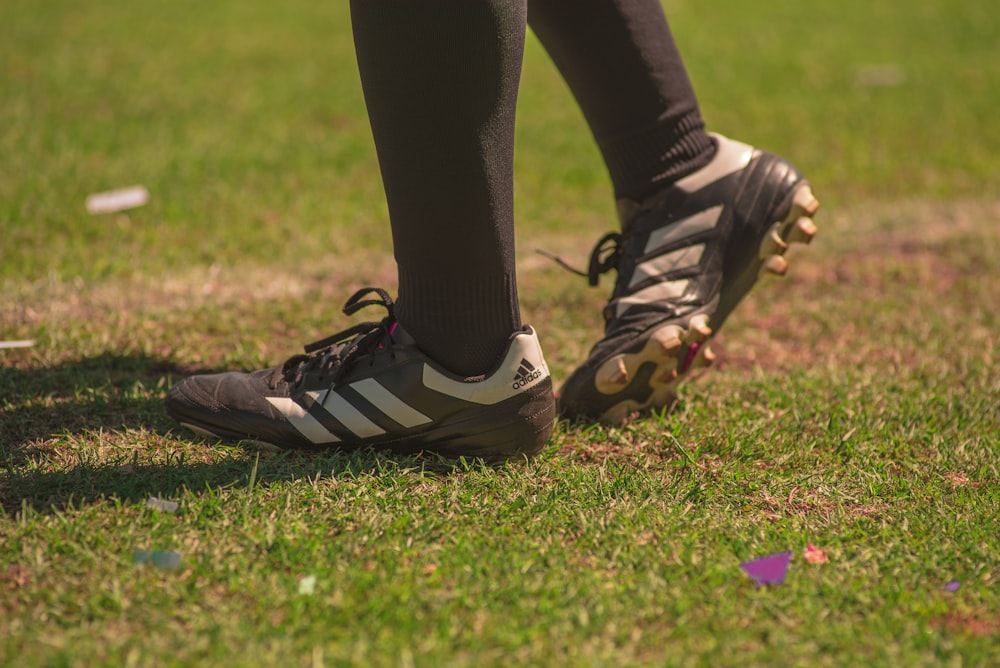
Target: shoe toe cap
(222, 392)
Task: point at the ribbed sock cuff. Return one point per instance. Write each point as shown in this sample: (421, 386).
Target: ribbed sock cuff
(645, 161)
(461, 324)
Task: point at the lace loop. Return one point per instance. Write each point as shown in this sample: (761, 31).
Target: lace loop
(335, 354)
(355, 303)
(605, 256)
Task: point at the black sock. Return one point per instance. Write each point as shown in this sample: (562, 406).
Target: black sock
(440, 79)
(620, 60)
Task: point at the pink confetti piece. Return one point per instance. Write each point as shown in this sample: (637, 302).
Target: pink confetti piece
(814, 555)
(768, 570)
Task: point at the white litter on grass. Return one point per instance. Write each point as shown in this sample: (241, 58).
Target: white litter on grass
(884, 75)
(161, 504)
(27, 343)
(307, 585)
(117, 200)
(168, 561)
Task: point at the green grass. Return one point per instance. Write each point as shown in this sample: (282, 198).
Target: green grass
(855, 407)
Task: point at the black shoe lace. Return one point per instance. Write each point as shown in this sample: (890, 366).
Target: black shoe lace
(332, 356)
(605, 256)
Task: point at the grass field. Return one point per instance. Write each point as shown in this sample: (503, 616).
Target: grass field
(856, 405)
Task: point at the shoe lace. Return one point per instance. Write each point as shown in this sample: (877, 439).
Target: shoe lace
(605, 256)
(334, 355)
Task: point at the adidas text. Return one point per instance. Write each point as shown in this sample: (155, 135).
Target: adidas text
(522, 381)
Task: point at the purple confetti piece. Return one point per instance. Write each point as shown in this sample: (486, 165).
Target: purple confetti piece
(953, 585)
(768, 570)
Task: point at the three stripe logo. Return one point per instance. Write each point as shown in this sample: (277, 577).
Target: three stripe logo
(336, 405)
(526, 372)
(731, 156)
(663, 263)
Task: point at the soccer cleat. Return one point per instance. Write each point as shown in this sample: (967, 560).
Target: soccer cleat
(372, 386)
(685, 258)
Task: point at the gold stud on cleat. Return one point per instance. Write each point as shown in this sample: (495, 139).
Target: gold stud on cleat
(698, 329)
(803, 231)
(773, 244)
(668, 376)
(704, 359)
(708, 355)
(670, 339)
(776, 265)
(612, 376)
(806, 201)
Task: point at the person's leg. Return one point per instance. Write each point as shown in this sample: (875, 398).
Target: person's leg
(621, 63)
(702, 216)
(450, 369)
(440, 79)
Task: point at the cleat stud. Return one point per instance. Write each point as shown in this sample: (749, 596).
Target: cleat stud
(621, 373)
(772, 243)
(668, 376)
(616, 416)
(803, 231)
(776, 265)
(698, 329)
(705, 359)
(612, 376)
(779, 244)
(806, 201)
(663, 398)
(670, 338)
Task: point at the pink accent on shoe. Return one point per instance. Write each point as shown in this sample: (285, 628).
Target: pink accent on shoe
(392, 329)
(692, 353)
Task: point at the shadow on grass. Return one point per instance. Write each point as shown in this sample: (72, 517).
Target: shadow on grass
(49, 417)
(107, 391)
(129, 481)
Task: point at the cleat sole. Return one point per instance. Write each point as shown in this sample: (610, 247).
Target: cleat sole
(679, 353)
(663, 349)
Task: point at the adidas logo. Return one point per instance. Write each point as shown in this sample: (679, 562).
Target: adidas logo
(526, 373)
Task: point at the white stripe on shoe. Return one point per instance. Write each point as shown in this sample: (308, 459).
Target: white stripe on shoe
(683, 228)
(389, 403)
(299, 418)
(682, 258)
(656, 292)
(346, 414)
